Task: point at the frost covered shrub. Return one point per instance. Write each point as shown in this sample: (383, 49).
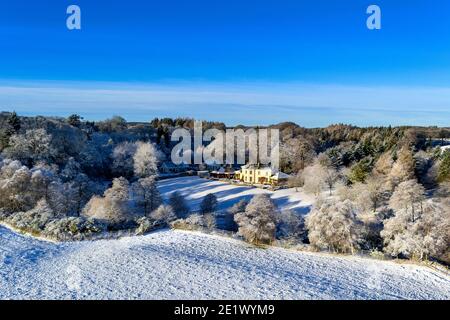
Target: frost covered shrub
(193, 222)
(290, 226)
(196, 222)
(34, 220)
(72, 228)
(376, 254)
(334, 226)
(163, 215)
(209, 221)
(257, 223)
(144, 225)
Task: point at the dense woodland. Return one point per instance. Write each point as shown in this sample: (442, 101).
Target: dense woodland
(383, 190)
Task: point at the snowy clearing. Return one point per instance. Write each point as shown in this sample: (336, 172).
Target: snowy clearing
(195, 188)
(186, 265)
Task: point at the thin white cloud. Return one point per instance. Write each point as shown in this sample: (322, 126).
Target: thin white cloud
(248, 103)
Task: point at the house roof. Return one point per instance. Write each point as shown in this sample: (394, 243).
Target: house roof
(256, 167)
(280, 175)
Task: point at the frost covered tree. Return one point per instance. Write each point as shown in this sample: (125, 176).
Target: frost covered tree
(359, 171)
(42, 177)
(383, 165)
(74, 120)
(228, 222)
(179, 205)
(331, 176)
(314, 179)
(403, 168)
(369, 195)
(163, 214)
(115, 124)
(34, 145)
(208, 204)
(426, 235)
(114, 206)
(66, 142)
(80, 189)
(96, 155)
(147, 194)
(15, 187)
(145, 160)
(408, 196)
(296, 154)
(71, 169)
(257, 223)
(290, 225)
(443, 172)
(296, 181)
(334, 226)
(123, 163)
(14, 122)
(116, 199)
(345, 192)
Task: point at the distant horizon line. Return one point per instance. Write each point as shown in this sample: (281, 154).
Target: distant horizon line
(313, 105)
(84, 119)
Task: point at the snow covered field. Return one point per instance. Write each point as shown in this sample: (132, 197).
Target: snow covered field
(185, 265)
(195, 188)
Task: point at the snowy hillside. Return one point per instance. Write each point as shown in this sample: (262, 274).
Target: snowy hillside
(176, 264)
(194, 189)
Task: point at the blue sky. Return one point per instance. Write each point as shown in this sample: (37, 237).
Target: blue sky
(252, 62)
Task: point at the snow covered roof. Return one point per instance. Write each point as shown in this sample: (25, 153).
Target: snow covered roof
(280, 175)
(256, 167)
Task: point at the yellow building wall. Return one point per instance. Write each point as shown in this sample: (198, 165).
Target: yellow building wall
(254, 175)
